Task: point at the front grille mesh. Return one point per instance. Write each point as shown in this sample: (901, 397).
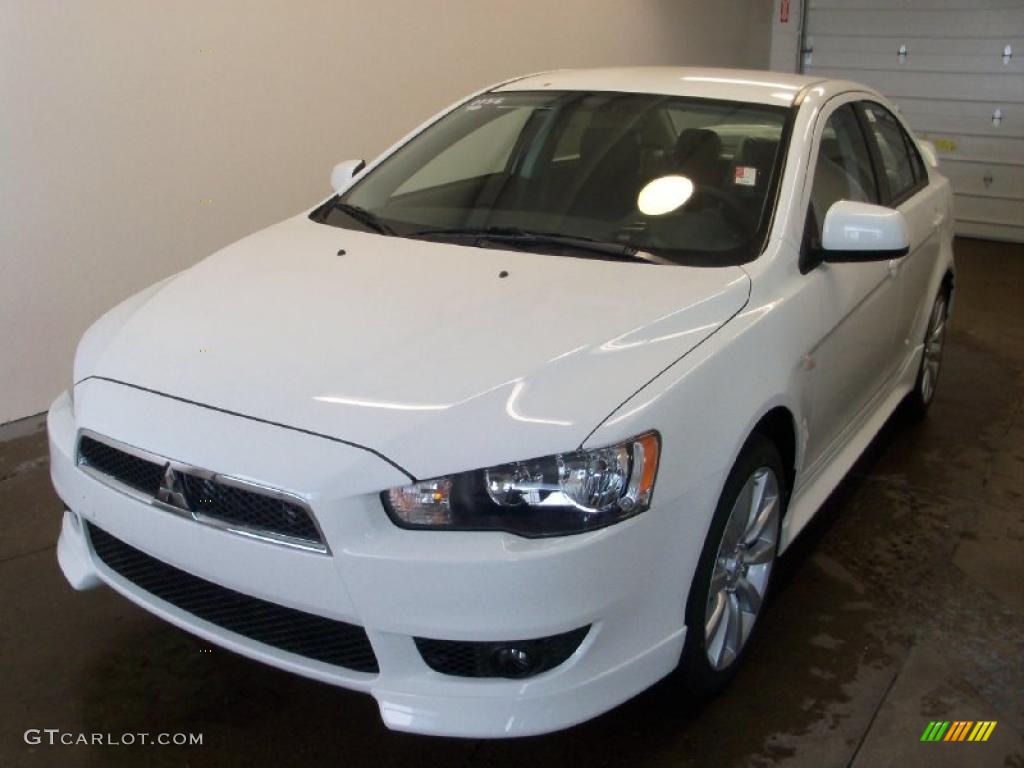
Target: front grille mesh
(315, 637)
(253, 510)
(137, 473)
(258, 512)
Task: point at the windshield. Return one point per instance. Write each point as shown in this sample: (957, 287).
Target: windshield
(689, 180)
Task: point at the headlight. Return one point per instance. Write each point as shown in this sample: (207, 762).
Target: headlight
(553, 496)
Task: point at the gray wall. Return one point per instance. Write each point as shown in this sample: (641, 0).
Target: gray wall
(785, 36)
(138, 137)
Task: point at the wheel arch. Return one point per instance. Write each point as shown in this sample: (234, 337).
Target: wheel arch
(779, 426)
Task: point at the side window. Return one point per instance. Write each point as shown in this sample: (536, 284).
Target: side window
(897, 151)
(843, 169)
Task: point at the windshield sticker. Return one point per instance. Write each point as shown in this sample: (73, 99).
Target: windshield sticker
(485, 101)
(745, 175)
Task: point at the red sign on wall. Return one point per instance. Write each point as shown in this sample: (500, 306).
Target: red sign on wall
(784, 11)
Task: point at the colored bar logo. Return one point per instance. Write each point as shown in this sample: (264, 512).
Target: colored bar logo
(958, 730)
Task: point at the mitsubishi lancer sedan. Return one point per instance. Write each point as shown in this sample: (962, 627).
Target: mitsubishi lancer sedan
(519, 420)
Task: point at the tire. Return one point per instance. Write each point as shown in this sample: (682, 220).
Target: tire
(920, 399)
(712, 654)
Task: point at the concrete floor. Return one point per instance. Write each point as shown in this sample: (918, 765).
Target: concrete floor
(903, 604)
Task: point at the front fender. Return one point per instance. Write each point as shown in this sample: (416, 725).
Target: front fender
(707, 404)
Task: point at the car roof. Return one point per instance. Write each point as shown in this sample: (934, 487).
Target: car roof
(747, 85)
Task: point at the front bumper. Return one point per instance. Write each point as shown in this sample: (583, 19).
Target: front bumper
(394, 583)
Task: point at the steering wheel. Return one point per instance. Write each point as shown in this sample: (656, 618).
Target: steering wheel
(733, 209)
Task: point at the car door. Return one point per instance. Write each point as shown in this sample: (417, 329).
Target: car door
(859, 302)
(903, 182)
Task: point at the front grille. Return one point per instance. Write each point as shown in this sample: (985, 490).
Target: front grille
(137, 473)
(253, 510)
(213, 498)
(315, 637)
(506, 658)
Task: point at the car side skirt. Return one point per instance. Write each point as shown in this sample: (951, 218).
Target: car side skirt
(823, 478)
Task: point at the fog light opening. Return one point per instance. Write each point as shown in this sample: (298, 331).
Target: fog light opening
(514, 661)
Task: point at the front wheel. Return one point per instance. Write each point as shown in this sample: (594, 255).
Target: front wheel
(931, 358)
(735, 568)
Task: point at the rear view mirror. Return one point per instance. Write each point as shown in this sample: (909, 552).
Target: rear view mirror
(343, 174)
(863, 232)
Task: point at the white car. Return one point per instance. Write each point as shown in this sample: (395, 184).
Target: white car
(518, 421)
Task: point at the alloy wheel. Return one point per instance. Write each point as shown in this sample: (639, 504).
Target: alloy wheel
(742, 568)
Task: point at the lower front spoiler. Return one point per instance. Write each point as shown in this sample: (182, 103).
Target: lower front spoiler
(410, 701)
(512, 716)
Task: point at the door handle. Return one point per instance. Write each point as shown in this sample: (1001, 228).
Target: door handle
(894, 267)
(938, 219)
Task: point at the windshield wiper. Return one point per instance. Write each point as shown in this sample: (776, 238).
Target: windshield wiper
(363, 216)
(516, 236)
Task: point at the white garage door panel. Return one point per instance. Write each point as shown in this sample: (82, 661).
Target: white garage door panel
(987, 209)
(950, 82)
(930, 110)
(923, 23)
(988, 231)
(978, 148)
(918, 61)
(1011, 124)
(951, 85)
(986, 179)
(982, 47)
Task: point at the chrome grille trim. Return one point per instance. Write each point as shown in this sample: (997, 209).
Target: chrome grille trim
(319, 545)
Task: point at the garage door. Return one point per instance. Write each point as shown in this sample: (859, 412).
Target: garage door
(955, 68)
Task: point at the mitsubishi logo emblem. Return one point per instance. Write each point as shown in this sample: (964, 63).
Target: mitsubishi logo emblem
(171, 491)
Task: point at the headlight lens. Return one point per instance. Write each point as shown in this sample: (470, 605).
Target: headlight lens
(552, 496)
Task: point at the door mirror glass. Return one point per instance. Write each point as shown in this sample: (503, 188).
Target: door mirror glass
(343, 174)
(863, 232)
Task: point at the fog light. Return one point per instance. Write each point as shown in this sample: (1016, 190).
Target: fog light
(510, 661)
(500, 658)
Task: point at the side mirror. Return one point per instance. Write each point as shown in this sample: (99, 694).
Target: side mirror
(863, 232)
(343, 174)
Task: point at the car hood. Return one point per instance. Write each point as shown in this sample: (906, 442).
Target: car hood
(426, 352)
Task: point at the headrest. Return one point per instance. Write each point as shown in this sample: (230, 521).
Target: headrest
(759, 153)
(697, 154)
(604, 142)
